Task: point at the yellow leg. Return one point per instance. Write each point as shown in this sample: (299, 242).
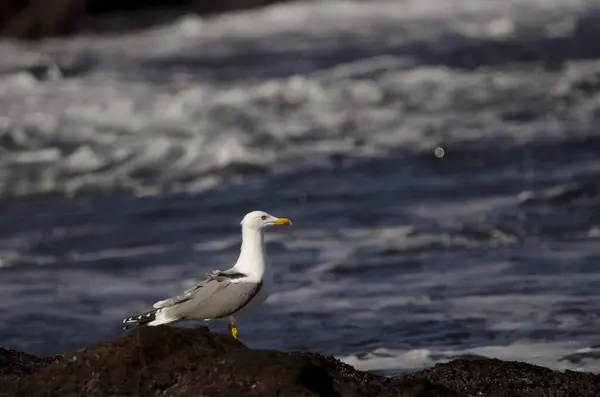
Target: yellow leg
(232, 327)
(234, 332)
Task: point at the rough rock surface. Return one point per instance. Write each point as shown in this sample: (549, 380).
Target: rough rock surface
(178, 362)
(164, 361)
(497, 378)
(15, 364)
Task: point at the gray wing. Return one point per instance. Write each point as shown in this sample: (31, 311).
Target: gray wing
(220, 277)
(213, 300)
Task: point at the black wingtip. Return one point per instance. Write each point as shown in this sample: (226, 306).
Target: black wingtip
(139, 320)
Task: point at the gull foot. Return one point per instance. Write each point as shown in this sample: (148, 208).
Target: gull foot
(233, 331)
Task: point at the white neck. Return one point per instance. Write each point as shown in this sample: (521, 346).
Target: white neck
(253, 259)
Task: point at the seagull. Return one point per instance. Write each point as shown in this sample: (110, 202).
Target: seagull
(223, 293)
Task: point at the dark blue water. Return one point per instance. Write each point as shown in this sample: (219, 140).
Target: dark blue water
(125, 182)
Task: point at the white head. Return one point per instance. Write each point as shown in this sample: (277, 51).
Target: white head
(258, 220)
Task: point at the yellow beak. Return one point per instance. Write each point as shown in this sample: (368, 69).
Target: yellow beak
(282, 221)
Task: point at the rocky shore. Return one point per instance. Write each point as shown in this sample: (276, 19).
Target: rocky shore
(170, 361)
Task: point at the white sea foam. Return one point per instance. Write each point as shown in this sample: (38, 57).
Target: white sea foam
(171, 107)
(283, 88)
(553, 355)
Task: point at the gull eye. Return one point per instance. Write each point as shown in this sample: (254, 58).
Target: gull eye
(264, 217)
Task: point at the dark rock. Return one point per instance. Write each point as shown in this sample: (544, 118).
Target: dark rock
(15, 364)
(181, 362)
(496, 378)
(30, 19)
(165, 361)
(200, 6)
(34, 19)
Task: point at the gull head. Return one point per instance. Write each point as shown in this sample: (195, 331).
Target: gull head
(258, 220)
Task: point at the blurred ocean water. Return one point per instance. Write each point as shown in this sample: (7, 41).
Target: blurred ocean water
(127, 162)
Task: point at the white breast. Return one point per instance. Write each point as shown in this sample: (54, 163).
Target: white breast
(260, 297)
